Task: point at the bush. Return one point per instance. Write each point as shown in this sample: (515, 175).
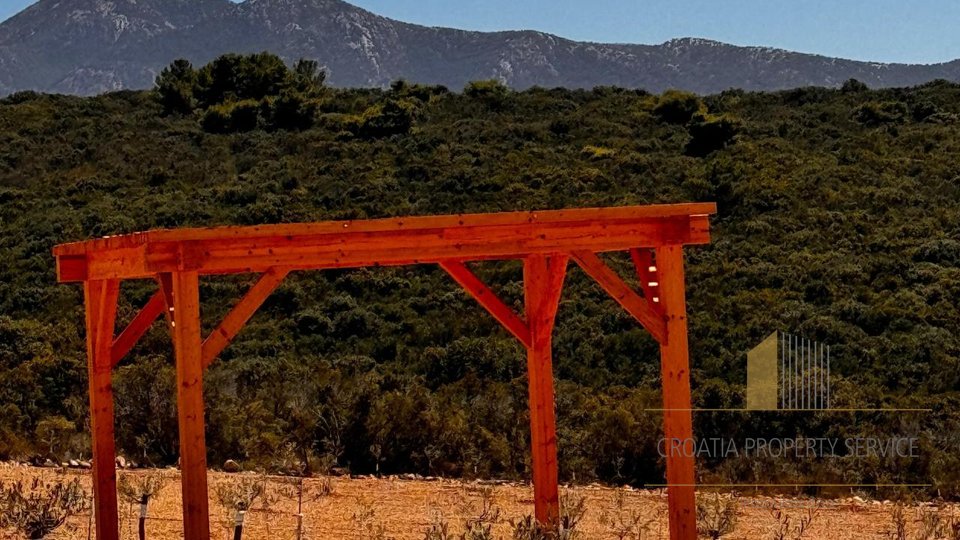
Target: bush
(677, 107)
(492, 92)
(394, 117)
(232, 117)
(38, 510)
(709, 133)
(875, 114)
(292, 111)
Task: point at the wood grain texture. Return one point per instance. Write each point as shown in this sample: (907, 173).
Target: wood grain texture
(543, 278)
(395, 241)
(193, 450)
(677, 416)
(101, 311)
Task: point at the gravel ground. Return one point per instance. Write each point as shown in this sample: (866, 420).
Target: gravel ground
(404, 508)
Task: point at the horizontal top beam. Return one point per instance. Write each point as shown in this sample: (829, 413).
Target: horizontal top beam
(382, 242)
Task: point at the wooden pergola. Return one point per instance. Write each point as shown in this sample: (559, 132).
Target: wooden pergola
(544, 240)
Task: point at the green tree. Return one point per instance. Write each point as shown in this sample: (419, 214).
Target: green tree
(176, 85)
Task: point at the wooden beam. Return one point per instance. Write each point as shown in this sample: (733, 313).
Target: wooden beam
(240, 314)
(138, 327)
(382, 242)
(677, 417)
(541, 218)
(543, 282)
(488, 299)
(101, 311)
(623, 294)
(193, 451)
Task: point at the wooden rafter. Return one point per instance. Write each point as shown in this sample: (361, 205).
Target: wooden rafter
(223, 334)
(623, 294)
(488, 299)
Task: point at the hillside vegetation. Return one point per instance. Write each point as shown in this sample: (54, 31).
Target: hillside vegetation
(839, 220)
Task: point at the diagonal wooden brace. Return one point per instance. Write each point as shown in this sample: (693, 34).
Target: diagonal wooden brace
(488, 299)
(137, 327)
(232, 324)
(635, 304)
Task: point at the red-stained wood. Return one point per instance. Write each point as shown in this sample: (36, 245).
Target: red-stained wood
(193, 452)
(622, 293)
(396, 241)
(223, 334)
(543, 282)
(138, 327)
(677, 416)
(488, 299)
(649, 279)
(409, 224)
(176, 258)
(101, 310)
(165, 282)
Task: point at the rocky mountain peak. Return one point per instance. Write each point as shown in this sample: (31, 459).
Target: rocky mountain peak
(91, 46)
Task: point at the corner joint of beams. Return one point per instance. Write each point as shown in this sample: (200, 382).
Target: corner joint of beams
(489, 300)
(642, 310)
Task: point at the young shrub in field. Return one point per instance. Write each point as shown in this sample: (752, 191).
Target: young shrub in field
(717, 515)
(623, 523)
(439, 529)
(238, 497)
(366, 525)
(294, 489)
(899, 518)
(932, 524)
(139, 490)
(38, 510)
(786, 528)
(527, 528)
(572, 509)
(481, 526)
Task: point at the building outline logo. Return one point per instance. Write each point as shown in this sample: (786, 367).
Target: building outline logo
(788, 372)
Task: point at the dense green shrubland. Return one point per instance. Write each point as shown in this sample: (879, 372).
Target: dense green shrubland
(839, 219)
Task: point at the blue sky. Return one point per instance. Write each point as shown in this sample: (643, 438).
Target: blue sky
(922, 31)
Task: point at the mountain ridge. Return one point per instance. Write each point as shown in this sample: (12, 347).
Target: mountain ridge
(47, 47)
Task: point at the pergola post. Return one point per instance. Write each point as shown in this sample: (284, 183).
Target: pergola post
(193, 451)
(677, 414)
(543, 282)
(101, 311)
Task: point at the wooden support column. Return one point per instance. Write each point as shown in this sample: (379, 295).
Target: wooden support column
(193, 450)
(542, 282)
(677, 417)
(101, 312)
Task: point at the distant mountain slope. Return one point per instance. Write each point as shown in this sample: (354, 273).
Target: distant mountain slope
(92, 46)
